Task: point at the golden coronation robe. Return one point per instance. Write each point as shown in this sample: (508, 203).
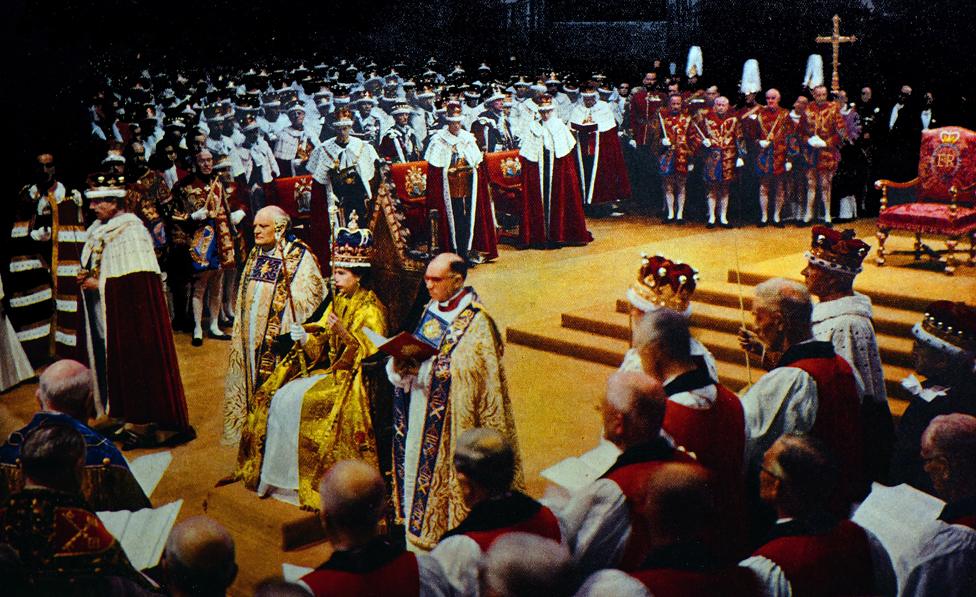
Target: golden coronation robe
(461, 387)
(300, 426)
(263, 312)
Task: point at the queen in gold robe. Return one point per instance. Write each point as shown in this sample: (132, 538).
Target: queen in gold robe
(314, 409)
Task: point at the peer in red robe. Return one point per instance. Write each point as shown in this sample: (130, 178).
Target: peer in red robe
(603, 173)
(457, 187)
(129, 337)
(552, 212)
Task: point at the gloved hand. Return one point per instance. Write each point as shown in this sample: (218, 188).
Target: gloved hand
(666, 142)
(789, 166)
(632, 143)
(200, 214)
(816, 141)
(41, 234)
(764, 143)
(739, 162)
(237, 216)
(691, 167)
(706, 142)
(297, 333)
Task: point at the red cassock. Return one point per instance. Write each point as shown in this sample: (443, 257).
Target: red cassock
(838, 423)
(142, 371)
(716, 436)
(835, 562)
(374, 570)
(484, 237)
(631, 478)
(514, 513)
(730, 581)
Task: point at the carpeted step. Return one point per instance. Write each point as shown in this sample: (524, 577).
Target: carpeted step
(902, 298)
(551, 336)
(887, 320)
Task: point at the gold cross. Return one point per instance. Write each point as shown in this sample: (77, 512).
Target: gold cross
(836, 40)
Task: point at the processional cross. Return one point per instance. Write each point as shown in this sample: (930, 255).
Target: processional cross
(836, 40)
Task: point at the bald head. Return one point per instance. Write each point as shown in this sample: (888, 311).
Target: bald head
(271, 213)
(445, 276)
(526, 565)
(270, 222)
(199, 557)
(352, 500)
(679, 504)
(66, 387)
(662, 338)
(633, 408)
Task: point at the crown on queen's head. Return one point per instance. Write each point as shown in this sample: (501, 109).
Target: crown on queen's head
(837, 251)
(662, 282)
(353, 245)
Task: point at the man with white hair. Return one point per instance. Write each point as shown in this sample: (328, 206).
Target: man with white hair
(198, 559)
(766, 130)
(353, 501)
(944, 561)
(809, 388)
(485, 467)
(526, 565)
(64, 395)
(601, 522)
(281, 286)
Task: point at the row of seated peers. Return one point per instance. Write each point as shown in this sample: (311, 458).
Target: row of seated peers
(510, 544)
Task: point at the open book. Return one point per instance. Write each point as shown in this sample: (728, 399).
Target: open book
(577, 472)
(901, 517)
(149, 469)
(402, 346)
(142, 533)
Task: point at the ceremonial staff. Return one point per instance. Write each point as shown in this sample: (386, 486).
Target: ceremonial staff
(291, 299)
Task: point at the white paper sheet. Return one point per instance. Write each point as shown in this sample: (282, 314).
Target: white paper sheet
(142, 533)
(149, 469)
(291, 572)
(576, 472)
(902, 517)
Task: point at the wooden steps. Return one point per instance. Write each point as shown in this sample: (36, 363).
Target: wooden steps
(601, 333)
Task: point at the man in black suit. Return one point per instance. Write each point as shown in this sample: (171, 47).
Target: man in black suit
(902, 128)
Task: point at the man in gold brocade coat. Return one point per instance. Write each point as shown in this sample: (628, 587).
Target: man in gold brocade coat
(461, 387)
(274, 293)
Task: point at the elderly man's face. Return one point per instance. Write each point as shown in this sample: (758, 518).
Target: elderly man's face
(721, 106)
(45, 167)
(800, 105)
(772, 99)
(866, 94)
(820, 94)
(264, 235)
(935, 464)
(650, 80)
(768, 324)
(205, 163)
(674, 104)
(402, 119)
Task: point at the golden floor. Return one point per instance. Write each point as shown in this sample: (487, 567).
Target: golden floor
(554, 396)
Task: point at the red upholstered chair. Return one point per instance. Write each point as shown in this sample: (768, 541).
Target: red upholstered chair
(946, 197)
(294, 195)
(410, 181)
(505, 188)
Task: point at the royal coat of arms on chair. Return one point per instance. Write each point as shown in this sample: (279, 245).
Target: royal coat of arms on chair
(945, 204)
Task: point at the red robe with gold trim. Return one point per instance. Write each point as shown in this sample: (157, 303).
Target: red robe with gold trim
(770, 124)
(825, 121)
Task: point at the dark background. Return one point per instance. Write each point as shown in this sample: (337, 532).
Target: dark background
(61, 49)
